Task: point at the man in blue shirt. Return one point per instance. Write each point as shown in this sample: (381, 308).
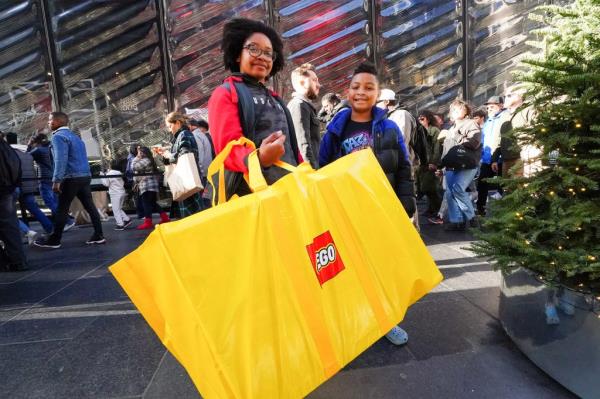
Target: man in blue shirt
(71, 178)
(491, 141)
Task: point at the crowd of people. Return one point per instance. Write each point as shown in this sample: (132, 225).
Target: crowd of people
(424, 157)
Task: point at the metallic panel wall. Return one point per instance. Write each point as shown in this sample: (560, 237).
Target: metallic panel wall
(497, 36)
(25, 83)
(422, 51)
(334, 36)
(194, 39)
(109, 60)
(118, 66)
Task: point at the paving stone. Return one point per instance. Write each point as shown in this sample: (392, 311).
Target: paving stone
(116, 356)
(171, 381)
(20, 361)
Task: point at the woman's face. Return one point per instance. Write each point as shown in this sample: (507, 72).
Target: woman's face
(363, 92)
(457, 113)
(423, 121)
(173, 126)
(140, 154)
(256, 58)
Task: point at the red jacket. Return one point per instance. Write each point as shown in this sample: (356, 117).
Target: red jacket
(225, 124)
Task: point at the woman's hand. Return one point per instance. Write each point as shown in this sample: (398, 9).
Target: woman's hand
(271, 149)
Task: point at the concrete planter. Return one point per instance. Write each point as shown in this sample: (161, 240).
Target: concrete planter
(558, 329)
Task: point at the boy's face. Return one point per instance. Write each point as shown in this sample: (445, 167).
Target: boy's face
(363, 92)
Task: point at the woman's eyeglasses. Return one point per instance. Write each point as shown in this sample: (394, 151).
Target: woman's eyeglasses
(257, 52)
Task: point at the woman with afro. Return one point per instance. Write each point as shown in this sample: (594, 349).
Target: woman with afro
(244, 105)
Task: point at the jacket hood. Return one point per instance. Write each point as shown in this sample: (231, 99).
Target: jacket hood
(339, 121)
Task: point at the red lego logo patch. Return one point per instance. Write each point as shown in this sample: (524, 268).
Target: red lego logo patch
(325, 257)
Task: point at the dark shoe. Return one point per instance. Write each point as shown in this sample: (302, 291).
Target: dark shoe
(436, 220)
(127, 223)
(48, 242)
(474, 223)
(96, 239)
(454, 227)
(18, 267)
(480, 212)
(120, 227)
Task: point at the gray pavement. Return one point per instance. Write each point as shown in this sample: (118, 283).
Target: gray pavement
(67, 330)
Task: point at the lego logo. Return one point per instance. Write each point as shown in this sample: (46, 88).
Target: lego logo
(325, 256)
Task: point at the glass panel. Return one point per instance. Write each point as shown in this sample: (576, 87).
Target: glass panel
(25, 87)
(499, 30)
(421, 49)
(195, 31)
(331, 35)
(109, 59)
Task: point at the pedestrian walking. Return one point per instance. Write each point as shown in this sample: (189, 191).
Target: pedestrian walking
(71, 179)
(116, 191)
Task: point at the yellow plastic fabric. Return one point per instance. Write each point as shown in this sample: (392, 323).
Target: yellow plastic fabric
(233, 293)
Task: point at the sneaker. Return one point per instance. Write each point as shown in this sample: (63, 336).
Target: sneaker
(397, 336)
(96, 239)
(69, 226)
(496, 196)
(47, 243)
(436, 220)
(31, 236)
(120, 227)
(127, 223)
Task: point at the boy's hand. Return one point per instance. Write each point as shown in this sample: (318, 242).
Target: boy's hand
(271, 149)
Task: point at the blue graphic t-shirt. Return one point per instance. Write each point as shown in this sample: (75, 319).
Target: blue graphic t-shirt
(357, 137)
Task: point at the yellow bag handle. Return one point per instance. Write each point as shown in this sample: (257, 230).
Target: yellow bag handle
(255, 179)
(217, 166)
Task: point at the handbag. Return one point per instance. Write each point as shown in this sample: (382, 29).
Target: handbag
(461, 157)
(301, 276)
(183, 178)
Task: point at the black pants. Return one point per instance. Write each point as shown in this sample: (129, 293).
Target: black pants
(149, 204)
(483, 187)
(75, 187)
(13, 253)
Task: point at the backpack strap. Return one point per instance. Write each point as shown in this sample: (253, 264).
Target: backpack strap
(245, 108)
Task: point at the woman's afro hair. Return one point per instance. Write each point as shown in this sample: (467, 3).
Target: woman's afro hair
(235, 33)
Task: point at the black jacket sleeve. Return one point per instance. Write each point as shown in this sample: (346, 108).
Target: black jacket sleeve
(405, 185)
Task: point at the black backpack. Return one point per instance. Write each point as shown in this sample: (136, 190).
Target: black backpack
(419, 143)
(10, 168)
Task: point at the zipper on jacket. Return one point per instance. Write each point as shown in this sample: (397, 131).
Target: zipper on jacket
(376, 139)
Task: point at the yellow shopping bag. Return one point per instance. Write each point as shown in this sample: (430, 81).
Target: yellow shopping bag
(270, 294)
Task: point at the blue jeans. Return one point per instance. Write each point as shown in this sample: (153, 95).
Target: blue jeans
(32, 206)
(51, 198)
(9, 232)
(460, 206)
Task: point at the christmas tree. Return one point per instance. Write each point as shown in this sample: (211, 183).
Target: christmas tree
(549, 222)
